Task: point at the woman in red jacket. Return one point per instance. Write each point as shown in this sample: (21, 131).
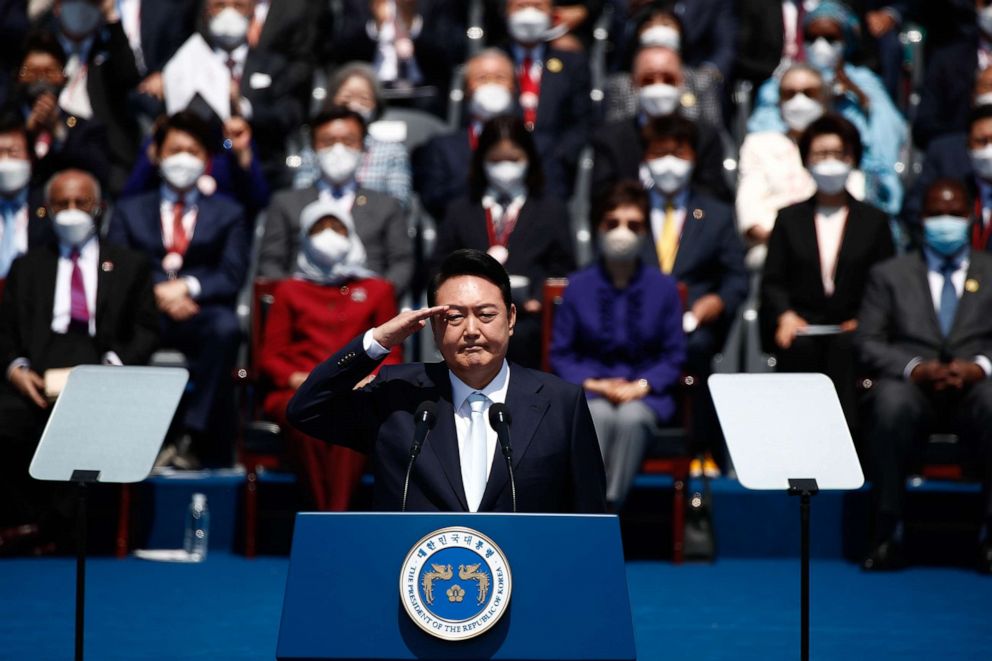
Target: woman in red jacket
(331, 299)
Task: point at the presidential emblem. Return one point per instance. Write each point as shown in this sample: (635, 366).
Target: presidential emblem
(455, 583)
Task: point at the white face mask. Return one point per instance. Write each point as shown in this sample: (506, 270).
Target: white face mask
(670, 173)
(661, 35)
(339, 163)
(800, 111)
(80, 18)
(985, 20)
(229, 28)
(15, 173)
(824, 55)
(659, 100)
(830, 175)
(528, 25)
(507, 177)
(490, 100)
(983, 99)
(74, 226)
(181, 170)
(327, 248)
(981, 161)
(620, 244)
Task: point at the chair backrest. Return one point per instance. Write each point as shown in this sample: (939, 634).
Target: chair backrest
(554, 288)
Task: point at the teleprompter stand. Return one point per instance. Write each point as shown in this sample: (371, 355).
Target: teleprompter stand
(106, 426)
(788, 432)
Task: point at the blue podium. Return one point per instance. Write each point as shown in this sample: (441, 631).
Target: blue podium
(393, 586)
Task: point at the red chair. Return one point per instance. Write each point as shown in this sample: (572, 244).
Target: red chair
(675, 464)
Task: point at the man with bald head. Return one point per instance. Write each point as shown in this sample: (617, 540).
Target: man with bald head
(441, 166)
(618, 149)
(71, 302)
(925, 335)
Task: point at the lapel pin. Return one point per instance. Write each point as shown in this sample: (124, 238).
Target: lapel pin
(971, 285)
(71, 122)
(107, 266)
(555, 65)
(698, 214)
(361, 200)
(688, 100)
(41, 213)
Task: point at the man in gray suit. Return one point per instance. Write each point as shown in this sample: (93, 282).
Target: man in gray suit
(338, 137)
(925, 332)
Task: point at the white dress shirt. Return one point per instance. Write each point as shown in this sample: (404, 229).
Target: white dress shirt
(20, 229)
(167, 214)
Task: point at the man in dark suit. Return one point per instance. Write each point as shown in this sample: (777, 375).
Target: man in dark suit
(292, 29)
(21, 226)
(694, 238)
(925, 334)
(556, 459)
(338, 137)
(197, 244)
(618, 150)
(69, 302)
(440, 167)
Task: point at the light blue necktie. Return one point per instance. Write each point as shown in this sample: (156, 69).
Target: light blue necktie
(8, 245)
(473, 459)
(948, 298)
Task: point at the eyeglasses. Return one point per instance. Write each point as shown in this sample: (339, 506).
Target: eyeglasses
(812, 92)
(635, 226)
(825, 154)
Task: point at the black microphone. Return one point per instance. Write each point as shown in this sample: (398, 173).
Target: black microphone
(499, 420)
(425, 419)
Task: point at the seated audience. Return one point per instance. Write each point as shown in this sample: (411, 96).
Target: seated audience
(769, 38)
(694, 238)
(100, 74)
(197, 244)
(771, 170)
(819, 255)
(412, 45)
(831, 33)
(508, 215)
(618, 150)
(618, 334)
(57, 139)
(385, 166)
(441, 166)
(925, 334)
(338, 136)
(22, 227)
(73, 301)
(702, 96)
(331, 298)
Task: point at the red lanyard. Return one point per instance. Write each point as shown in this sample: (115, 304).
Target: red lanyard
(508, 224)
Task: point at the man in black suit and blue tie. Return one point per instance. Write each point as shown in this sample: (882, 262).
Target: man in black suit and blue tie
(925, 335)
(556, 458)
(197, 245)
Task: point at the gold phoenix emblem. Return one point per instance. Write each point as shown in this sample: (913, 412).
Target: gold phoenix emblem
(442, 572)
(472, 573)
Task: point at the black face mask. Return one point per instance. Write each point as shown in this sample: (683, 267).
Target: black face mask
(30, 92)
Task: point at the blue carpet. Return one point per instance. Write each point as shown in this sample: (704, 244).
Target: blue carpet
(229, 608)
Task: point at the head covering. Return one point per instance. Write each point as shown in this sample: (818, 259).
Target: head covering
(841, 15)
(352, 266)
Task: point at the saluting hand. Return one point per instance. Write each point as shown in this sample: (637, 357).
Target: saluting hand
(405, 324)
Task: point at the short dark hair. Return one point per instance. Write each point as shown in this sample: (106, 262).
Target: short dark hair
(494, 131)
(12, 122)
(832, 124)
(947, 182)
(43, 41)
(673, 126)
(978, 113)
(189, 122)
(622, 193)
(468, 261)
(333, 114)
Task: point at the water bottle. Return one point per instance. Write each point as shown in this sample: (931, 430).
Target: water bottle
(197, 528)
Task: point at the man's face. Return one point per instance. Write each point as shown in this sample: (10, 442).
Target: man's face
(488, 69)
(945, 200)
(661, 147)
(800, 81)
(14, 145)
(41, 67)
(181, 142)
(826, 147)
(657, 65)
(980, 134)
(344, 131)
(244, 7)
(473, 335)
(73, 190)
(516, 5)
(983, 82)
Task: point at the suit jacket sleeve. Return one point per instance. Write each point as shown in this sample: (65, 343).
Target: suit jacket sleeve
(11, 342)
(221, 282)
(577, 115)
(735, 282)
(274, 258)
(565, 359)
(588, 474)
(663, 373)
(327, 407)
(142, 316)
(123, 71)
(874, 327)
(775, 278)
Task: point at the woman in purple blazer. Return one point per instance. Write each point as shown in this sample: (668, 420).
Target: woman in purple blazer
(618, 334)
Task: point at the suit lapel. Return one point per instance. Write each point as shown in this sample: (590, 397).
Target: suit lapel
(46, 289)
(921, 275)
(806, 237)
(443, 440)
(968, 304)
(692, 225)
(527, 408)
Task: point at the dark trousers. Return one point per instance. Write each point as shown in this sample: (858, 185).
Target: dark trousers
(901, 417)
(210, 342)
(832, 355)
